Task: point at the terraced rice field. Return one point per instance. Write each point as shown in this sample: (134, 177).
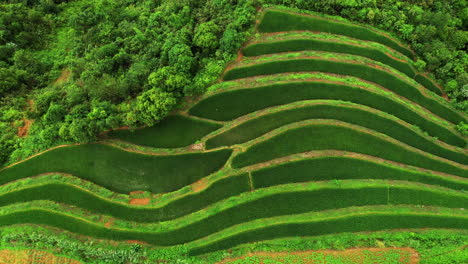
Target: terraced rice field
(321, 127)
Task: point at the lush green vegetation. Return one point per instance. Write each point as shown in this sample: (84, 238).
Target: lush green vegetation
(87, 66)
(277, 21)
(347, 112)
(310, 41)
(390, 80)
(172, 132)
(119, 170)
(305, 169)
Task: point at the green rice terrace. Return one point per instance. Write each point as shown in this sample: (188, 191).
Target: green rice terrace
(320, 128)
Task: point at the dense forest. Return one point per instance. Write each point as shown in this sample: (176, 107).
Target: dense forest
(71, 69)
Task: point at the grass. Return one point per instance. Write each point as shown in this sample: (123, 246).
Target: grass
(310, 41)
(119, 170)
(379, 75)
(278, 21)
(76, 196)
(334, 135)
(230, 104)
(172, 132)
(351, 167)
(270, 119)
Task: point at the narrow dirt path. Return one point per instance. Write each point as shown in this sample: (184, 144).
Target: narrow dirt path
(354, 255)
(200, 185)
(28, 256)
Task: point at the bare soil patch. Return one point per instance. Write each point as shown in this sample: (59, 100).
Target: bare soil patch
(109, 223)
(199, 185)
(140, 201)
(30, 256)
(64, 77)
(23, 130)
(198, 146)
(136, 242)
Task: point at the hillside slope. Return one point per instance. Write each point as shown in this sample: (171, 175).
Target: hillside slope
(299, 138)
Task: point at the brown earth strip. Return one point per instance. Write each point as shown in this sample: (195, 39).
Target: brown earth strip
(355, 255)
(136, 242)
(64, 77)
(32, 256)
(110, 222)
(140, 201)
(23, 130)
(200, 185)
